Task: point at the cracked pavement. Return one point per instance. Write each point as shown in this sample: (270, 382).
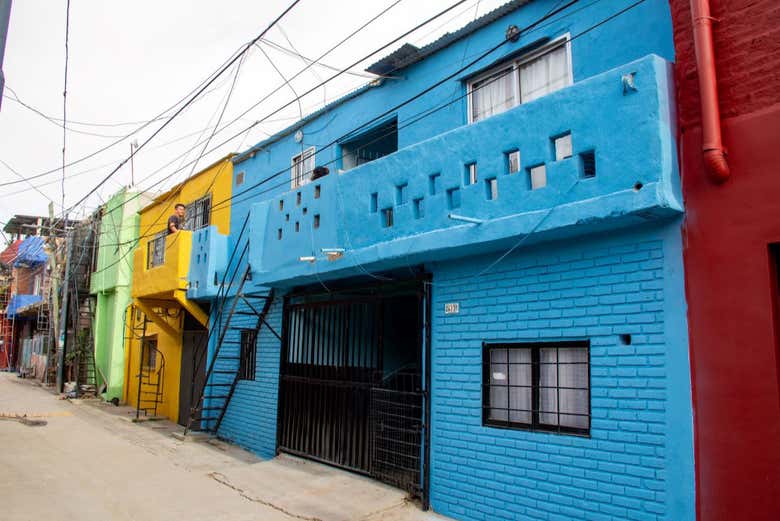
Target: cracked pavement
(90, 462)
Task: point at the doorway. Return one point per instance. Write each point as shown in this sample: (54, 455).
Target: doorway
(353, 381)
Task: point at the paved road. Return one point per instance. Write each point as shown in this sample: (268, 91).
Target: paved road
(90, 463)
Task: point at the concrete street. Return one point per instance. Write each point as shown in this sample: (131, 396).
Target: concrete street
(89, 462)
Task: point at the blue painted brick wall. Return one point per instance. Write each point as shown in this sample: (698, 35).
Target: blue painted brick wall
(250, 420)
(638, 461)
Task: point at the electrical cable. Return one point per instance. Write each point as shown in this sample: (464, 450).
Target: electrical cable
(603, 21)
(328, 51)
(186, 104)
(158, 117)
(214, 206)
(428, 113)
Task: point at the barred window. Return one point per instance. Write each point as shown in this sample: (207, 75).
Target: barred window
(198, 214)
(149, 353)
(537, 386)
(155, 250)
(247, 362)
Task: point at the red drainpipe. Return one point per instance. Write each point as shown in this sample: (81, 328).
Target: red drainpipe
(712, 143)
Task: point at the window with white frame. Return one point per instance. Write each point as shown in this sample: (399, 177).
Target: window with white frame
(198, 214)
(521, 80)
(537, 386)
(302, 168)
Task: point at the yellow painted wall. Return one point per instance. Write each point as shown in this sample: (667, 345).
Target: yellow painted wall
(170, 346)
(217, 180)
(161, 283)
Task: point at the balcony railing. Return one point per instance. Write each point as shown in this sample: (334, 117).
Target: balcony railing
(170, 275)
(599, 154)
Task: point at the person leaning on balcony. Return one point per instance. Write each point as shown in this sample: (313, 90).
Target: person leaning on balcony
(175, 220)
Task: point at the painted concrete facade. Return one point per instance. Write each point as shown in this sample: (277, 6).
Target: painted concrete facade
(110, 283)
(160, 292)
(583, 258)
(732, 250)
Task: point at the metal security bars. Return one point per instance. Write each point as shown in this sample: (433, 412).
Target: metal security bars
(198, 214)
(155, 250)
(537, 386)
(248, 354)
(352, 387)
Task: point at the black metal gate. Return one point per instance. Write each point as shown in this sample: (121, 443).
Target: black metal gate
(351, 385)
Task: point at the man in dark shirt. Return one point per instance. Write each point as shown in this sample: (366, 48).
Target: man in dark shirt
(176, 220)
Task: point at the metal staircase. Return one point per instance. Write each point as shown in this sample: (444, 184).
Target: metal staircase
(6, 324)
(222, 374)
(83, 316)
(151, 374)
(42, 323)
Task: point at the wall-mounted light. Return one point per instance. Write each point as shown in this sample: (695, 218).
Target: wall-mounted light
(465, 219)
(333, 253)
(307, 259)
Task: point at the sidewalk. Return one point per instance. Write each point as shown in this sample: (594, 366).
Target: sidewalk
(89, 462)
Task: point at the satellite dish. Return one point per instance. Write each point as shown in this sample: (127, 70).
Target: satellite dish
(299, 136)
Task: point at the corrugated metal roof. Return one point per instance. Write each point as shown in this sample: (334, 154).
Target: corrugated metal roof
(243, 156)
(408, 54)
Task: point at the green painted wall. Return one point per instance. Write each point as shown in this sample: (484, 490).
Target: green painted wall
(111, 283)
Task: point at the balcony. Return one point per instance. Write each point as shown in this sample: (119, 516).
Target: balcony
(595, 156)
(163, 280)
(207, 263)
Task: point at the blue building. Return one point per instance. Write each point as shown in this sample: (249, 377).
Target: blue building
(481, 299)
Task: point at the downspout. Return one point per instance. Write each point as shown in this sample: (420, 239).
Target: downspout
(714, 154)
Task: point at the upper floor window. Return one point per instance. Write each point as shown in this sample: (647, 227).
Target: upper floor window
(302, 168)
(370, 145)
(520, 80)
(155, 250)
(198, 214)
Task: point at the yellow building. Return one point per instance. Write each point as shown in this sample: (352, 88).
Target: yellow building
(166, 333)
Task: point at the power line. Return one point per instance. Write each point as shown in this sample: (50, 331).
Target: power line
(58, 121)
(146, 124)
(407, 101)
(411, 120)
(65, 104)
(300, 72)
(183, 107)
(430, 111)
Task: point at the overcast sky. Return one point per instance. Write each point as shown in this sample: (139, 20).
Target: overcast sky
(130, 61)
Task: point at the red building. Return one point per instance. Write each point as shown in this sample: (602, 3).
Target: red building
(732, 252)
(7, 257)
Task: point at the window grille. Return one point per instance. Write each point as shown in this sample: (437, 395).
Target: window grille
(540, 386)
(155, 250)
(198, 214)
(247, 362)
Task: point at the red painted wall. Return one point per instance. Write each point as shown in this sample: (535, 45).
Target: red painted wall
(732, 304)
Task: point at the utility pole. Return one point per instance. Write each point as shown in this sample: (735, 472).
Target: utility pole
(133, 145)
(63, 330)
(55, 288)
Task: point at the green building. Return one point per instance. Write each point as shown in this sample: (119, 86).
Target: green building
(110, 283)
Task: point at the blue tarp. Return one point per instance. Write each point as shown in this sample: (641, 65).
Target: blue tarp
(31, 252)
(20, 301)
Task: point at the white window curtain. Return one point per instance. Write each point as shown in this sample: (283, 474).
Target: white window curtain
(499, 393)
(563, 387)
(510, 385)
(492, 95)
(544, 75)
(520, 381)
